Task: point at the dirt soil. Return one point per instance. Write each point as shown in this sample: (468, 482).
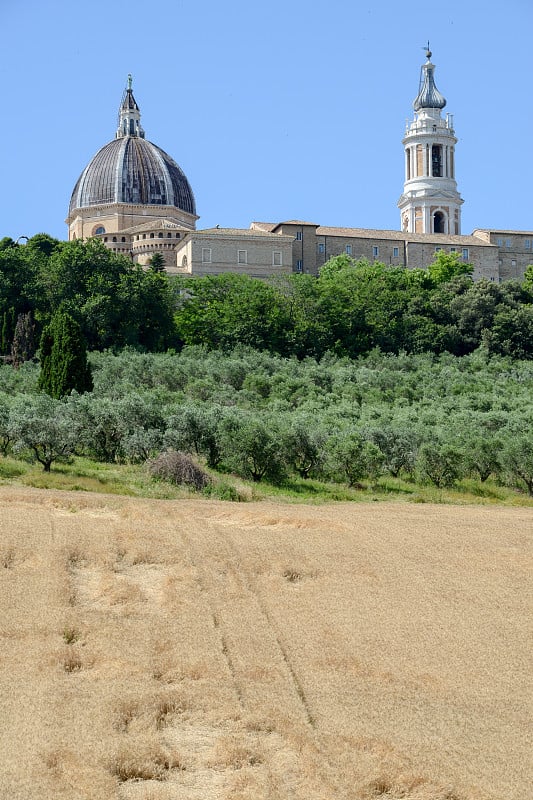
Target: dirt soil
(194, 649)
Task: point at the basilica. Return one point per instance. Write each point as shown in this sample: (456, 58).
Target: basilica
(137, 200)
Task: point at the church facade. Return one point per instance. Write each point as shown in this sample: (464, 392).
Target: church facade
(137, 200)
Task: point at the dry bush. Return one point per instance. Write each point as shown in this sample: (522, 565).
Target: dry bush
(127, 711)
(179, 468)
(71, 634)
(144, 760)
(168, 707)
(237, 751)
(7, 557)
(71, 659)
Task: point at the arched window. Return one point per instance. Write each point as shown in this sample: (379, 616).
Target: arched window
(123, 239)
(114, 238)
(438, 222)
(98, 230)
(184, 262)
(152, 235)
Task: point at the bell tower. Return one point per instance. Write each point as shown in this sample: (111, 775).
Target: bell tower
(430, 202)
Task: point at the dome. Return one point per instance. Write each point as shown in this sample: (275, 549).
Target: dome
(428, 95)
(133, 170)
(130, 169)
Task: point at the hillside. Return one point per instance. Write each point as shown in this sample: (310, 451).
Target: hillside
(194, 650)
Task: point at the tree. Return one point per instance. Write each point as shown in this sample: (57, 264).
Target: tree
(517, 458)
(253, 448)
(440, 463)
(157, 263)
(447, 266)
(354, 457)
(305, 446)
(23, 344)
(64, 365)
(45, 427)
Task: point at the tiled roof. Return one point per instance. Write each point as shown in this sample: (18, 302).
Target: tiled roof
(504, 232)
(401, 236)
(156, 225)
(250, 233)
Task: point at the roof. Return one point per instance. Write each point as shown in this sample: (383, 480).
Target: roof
(504, 231)
(132, 170)
(429, 96)
(242, 233)
(155, 225)
(430, 238)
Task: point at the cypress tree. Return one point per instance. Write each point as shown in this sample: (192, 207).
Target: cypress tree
(64, 365)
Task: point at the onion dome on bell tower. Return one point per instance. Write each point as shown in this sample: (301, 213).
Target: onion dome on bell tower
(130, 181)
(430, 202)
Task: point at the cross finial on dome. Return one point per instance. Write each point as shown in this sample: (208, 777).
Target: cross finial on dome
(428, 51)
(130, 81)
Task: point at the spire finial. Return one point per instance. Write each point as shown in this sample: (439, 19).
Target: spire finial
(130, 81)
(428, 51)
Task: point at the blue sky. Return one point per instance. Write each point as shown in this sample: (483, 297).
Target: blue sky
(285, 110)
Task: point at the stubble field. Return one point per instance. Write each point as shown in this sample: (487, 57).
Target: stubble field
(153, 650)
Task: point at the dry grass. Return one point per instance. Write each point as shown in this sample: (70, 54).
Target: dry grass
(154, 650)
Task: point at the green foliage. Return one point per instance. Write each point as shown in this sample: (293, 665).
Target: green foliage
(352, 457)
(447, 266)
(43, 426)
(371, 421)
(252, 447)
(63, 355)
(157, 263)
(440, 463)
(517, 458)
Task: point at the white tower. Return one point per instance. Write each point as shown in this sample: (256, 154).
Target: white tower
(430, 202)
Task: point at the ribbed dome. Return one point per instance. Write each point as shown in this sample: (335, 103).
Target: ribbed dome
(133, 170)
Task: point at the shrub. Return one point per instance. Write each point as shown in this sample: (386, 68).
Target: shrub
(179, 468)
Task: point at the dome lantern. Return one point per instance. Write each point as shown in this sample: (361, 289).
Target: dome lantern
(129, 115)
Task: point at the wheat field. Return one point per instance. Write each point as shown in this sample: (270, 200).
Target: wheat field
(195, 650)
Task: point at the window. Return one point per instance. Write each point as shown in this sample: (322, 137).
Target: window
(299, 236)
(395, 252)
(276, 258)
(206, 255)
(299, 265)
(453, 249)
(123, 239)
(499, 242)
(169, 236)
(321, 247)
(437, 249)
(159, 235)
(527, 244)
(375, 251)
(242, 256)
(436, 161)
(114, 238)
(513, 263)
(348, 249)
(100, 229)
(152, 235)
(465, 254)
(508, 243)
(144, 236)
